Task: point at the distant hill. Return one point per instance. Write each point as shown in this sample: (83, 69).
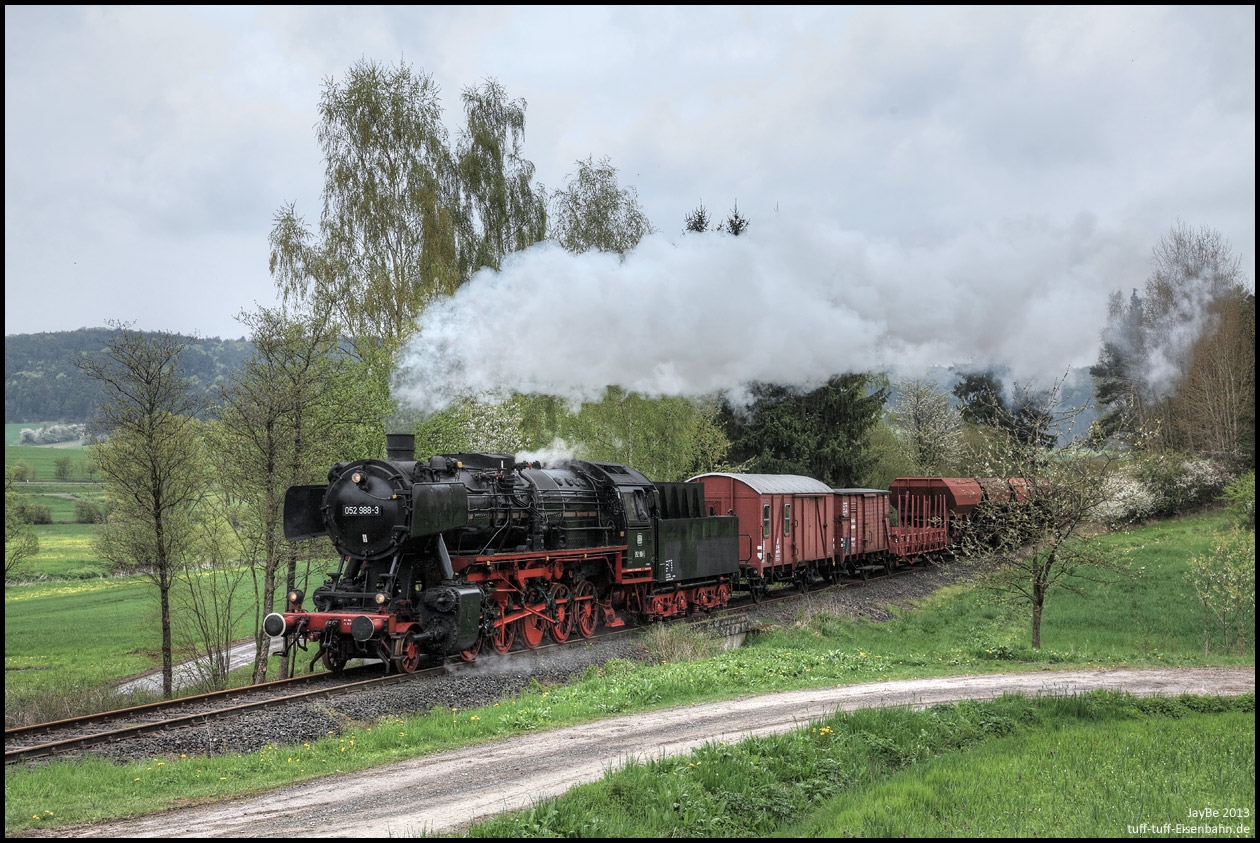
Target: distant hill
(41, 382)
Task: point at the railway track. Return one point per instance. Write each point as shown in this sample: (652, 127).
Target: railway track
(72, 736)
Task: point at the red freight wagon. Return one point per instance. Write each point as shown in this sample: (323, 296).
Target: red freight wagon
(862, 529)
(785, 523)
(926, 509)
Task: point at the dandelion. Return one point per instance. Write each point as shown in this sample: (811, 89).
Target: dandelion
(474, 718)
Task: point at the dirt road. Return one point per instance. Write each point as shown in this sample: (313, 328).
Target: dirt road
(444, 792)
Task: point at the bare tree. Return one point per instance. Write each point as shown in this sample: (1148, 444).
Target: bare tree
(285, 416)
(928, 428)
(207, 610)
(151, 460)
(1156, 345)
(1040, 537)
(1215, 407)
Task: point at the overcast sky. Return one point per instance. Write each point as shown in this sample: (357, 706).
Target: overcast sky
(910, 174)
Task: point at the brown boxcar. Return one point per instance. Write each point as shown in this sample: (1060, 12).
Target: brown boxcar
(785, 524)
(862, 540)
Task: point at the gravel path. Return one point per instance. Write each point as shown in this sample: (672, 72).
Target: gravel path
(445, 792)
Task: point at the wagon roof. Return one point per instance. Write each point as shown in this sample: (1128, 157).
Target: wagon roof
(776, 484)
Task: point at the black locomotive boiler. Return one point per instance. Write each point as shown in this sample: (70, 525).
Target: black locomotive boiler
(447, 555)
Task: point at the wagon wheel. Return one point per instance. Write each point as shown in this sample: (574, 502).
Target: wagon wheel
(757, 587)
(470, 655)
(584, 611)
(533, 630)
(504, 637)
(723, 595)
(802, 582)
(565, 617)
(410, 658)
(680, 605)
(334, 662)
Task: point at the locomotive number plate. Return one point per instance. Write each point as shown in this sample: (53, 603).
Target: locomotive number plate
(361, 510)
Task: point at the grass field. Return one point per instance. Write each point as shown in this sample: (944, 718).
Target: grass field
(1147, 620)
(42, 460)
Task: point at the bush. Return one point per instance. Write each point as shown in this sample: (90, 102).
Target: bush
(1225, 583)
(1240, 500)
(31, 513)
(1129, 501)
(1181, 484)
(88, 512)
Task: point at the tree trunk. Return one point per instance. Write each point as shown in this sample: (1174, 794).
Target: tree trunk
(168, 666)
(1039, 599)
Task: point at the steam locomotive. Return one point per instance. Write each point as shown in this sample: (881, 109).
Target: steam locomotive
(445, 556)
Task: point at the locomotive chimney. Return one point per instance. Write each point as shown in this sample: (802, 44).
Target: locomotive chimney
(400, 447)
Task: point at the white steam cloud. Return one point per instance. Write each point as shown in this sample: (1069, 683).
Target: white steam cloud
(786, 302)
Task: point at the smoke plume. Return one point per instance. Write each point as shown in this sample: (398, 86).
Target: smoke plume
(783, 303)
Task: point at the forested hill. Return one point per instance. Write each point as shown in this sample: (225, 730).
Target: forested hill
(42, 384)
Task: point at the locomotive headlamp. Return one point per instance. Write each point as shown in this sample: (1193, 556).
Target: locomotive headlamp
(295, 597)
(356, 478)
(381, 598)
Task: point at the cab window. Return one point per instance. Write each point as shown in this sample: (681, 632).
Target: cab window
(636, 506)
